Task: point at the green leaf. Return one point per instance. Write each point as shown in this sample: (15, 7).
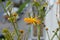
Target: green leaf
(0, 0)
(22, 6)
(37, 4)
(7, 34)
(45, 4)
(8, 3)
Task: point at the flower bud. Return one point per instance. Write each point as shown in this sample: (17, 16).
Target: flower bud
(46, 29)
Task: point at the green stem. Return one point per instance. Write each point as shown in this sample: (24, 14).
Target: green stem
(53, 37)
(38, 30)
(3, 7)
(17, 31)
(58, 37)
(15, 28)
(19, 38)
(48, 35)
(38, 11)
(54, 34)
(59, 32)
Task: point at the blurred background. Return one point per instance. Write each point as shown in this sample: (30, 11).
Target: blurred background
(28, 9)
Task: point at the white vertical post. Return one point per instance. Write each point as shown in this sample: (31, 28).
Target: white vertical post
(51, 22)
(31, 32)
(58, 12)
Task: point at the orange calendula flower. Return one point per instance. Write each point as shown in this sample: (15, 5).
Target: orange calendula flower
(29, 20)
(38, 21)
(32, 20)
